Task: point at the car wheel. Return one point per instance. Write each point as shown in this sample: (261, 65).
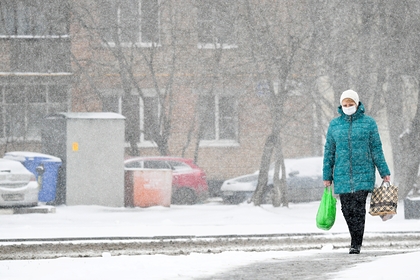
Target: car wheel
(235, 199)
(268, 195)
(184, 196)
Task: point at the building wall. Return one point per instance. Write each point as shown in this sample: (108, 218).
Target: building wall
(94, 76)
(195, 70)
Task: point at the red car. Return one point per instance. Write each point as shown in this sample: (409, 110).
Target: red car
(189, 184)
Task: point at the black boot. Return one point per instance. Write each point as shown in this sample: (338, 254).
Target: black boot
(354, 249)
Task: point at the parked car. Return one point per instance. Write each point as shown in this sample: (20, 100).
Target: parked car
(303, 179)
(18, 186)
(189, 184)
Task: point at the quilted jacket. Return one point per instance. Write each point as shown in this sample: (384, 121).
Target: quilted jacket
(352, 150)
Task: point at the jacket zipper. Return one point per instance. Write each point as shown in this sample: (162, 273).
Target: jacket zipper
(350, 153)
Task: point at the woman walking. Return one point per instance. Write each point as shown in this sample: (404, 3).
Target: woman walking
(352, 151)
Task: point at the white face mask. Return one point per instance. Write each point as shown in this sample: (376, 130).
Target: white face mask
(349, 110)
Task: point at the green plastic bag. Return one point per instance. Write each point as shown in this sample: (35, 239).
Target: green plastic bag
(325, 217)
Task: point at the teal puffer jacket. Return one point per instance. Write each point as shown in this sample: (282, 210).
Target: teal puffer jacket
(352, 150)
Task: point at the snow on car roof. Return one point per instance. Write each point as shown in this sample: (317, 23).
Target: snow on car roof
(310, 166)
(16, 166)
(24, 155)
(159, 158)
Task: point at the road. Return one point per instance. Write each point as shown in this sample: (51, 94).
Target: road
(331, 256)
(13, 249)
(321, 266)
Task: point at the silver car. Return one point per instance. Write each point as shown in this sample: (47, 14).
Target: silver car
(303, 179)
(18, 186)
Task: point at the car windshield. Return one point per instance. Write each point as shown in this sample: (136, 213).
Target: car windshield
(250, 178)
(133, 164)
(156, 164)
(301, 167)
(179, 166)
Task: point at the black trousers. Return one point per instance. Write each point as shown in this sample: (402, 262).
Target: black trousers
(353, 206)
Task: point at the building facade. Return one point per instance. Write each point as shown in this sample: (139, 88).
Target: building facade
(179, 71)
(35, 69)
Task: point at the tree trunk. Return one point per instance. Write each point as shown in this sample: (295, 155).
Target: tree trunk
(132, 122)
(279, 184)
(410, 151)
(270, 143)
(394, 110)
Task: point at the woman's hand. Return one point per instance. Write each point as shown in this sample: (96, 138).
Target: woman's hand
(327, 183)
(386, 178)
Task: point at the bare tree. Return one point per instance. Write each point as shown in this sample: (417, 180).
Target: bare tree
(284, 46)
(277, 33)
(121, 47)
(408, 160)
(373, 47)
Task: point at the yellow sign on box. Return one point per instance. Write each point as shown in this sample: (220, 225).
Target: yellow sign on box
(75, 146)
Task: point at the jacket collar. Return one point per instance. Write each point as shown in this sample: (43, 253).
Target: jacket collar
(359, 113)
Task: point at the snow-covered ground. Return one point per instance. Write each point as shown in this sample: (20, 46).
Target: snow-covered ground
(212, 218)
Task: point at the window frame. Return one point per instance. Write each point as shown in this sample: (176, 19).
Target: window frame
(139, 42)
(28, 106)
(215, 44)
(22, 6)
(116, 95)
(29, 30)
(217, 142)
(142, 142)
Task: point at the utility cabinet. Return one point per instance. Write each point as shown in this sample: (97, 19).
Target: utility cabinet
(91, 147)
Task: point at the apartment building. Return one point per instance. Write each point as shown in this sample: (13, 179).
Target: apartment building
(179, 71)
(35, 70)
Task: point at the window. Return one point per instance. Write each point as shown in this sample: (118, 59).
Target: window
(156, 164)
(39, 30)
(40, 55)
(149, 112)
(35, 18)
(22, 108)
(130, 22)
(179, 166)
(218, 115)
(134, 164)
(215, 20)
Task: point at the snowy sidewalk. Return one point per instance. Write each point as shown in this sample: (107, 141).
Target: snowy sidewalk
(212, 218)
